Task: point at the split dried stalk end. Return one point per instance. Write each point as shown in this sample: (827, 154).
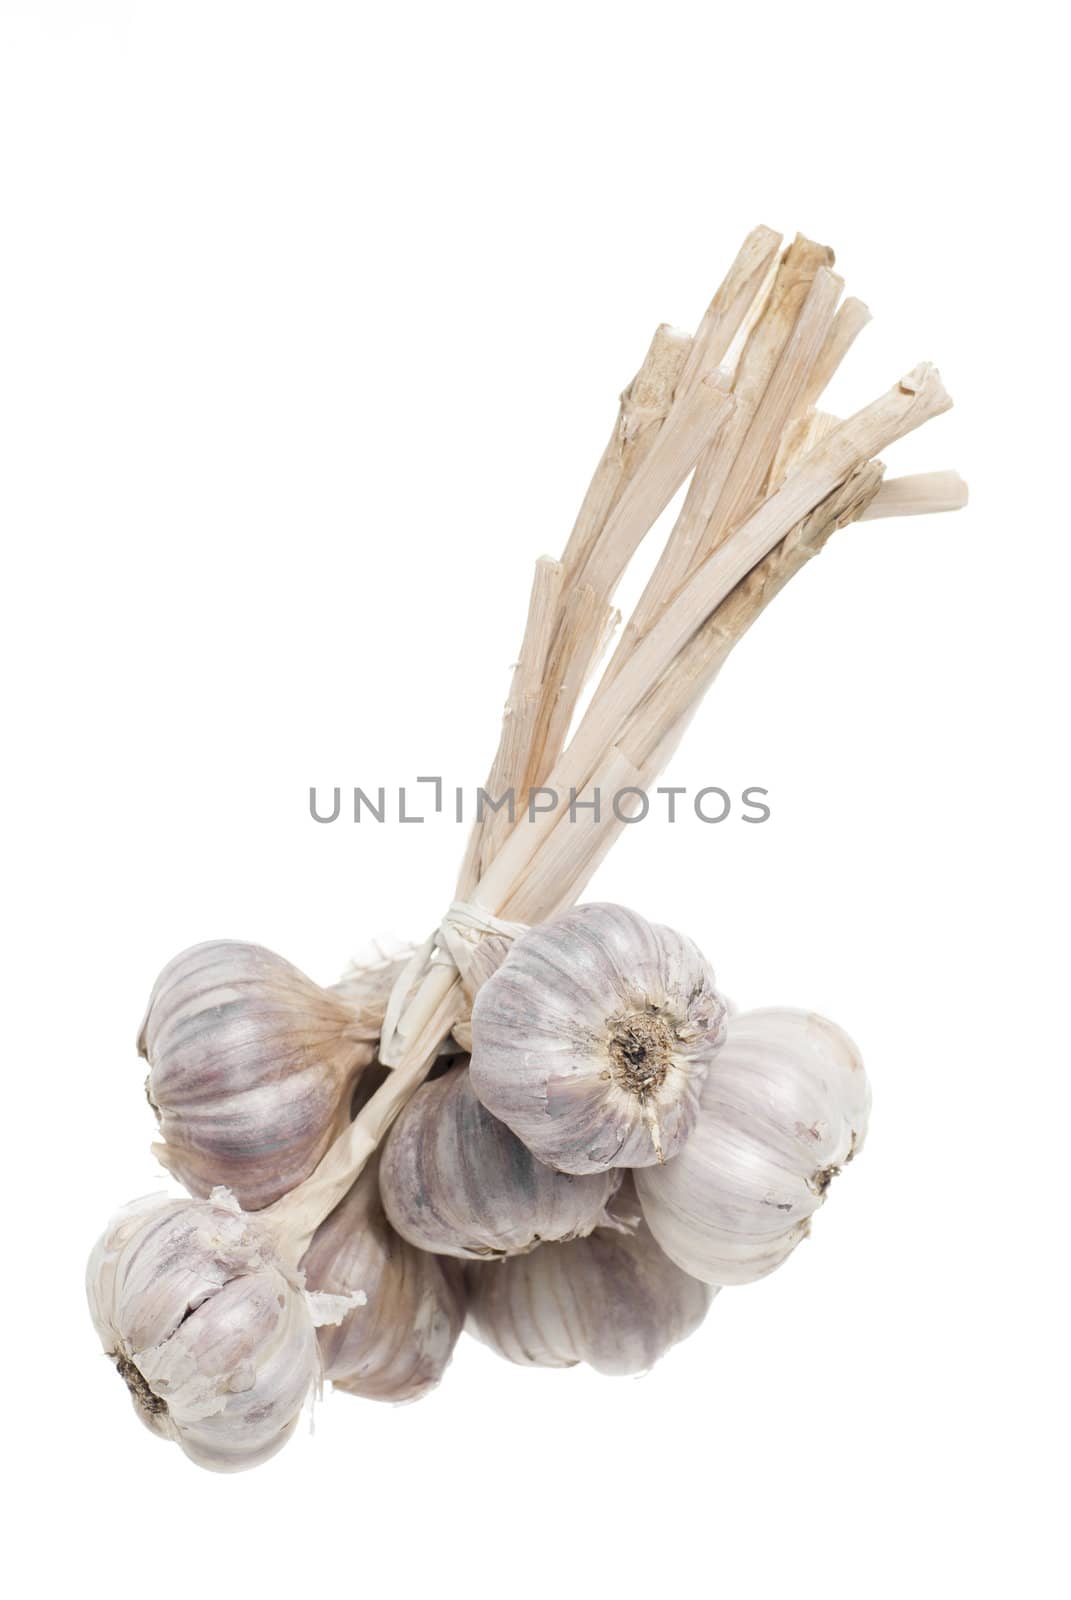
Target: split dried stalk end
(918, 495)
(735, 296)
(643, 407)
(782, 400)
(786, 339)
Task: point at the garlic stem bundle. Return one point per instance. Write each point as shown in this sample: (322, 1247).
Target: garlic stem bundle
(784, 1107)
(208, 1326)
(251, 1067)
(455, 1180)
(592, 1039)
(613, 1300)
(398, 1345)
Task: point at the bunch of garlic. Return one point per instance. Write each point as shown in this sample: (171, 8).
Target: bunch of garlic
(614, 1151)
(555, 1131)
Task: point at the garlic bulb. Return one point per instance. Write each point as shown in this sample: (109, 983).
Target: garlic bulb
(784, 1106)
(251, 1068)
(398, 1346)
(456, 1181)
(207, 1326)
(613, 1300)
(592, 1039)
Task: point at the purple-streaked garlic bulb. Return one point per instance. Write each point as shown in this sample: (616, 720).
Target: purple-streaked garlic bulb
(784, 1106)
(251, 1067)
(592, 1039)
(398, 1345)
(613, 1300)
(455, 1180)
(207, 1326)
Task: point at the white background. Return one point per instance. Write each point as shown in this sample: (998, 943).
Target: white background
(314, 318)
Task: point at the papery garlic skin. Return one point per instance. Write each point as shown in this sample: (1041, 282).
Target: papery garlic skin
(252, 1066)
(592, 1039)
(211, 1333)
(784, 1106)
(613, 1300)
(367, 982)
(456, 1181)
(398, 1345)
